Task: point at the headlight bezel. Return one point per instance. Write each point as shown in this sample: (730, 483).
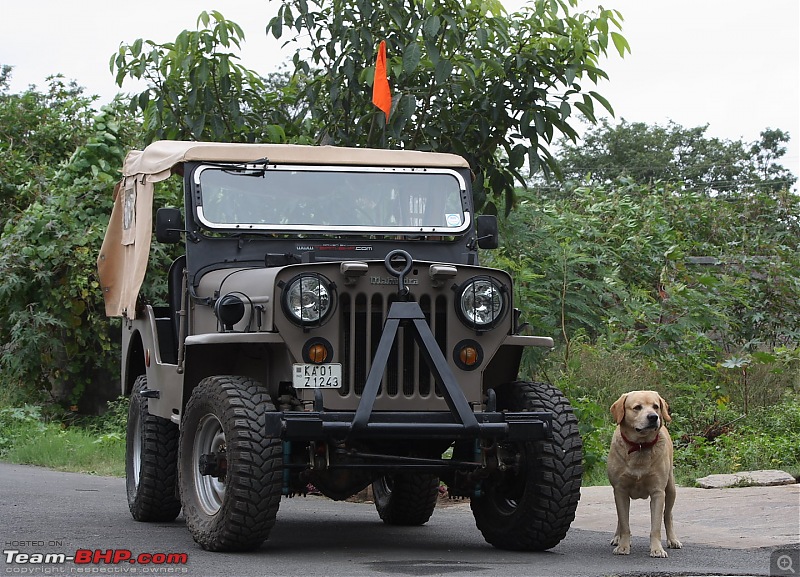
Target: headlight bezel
(478, 286)
(290, 294)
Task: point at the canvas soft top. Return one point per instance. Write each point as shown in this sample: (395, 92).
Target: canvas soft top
(122, 261)
(160, 157)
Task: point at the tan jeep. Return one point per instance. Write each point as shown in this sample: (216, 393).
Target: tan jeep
(328, 326)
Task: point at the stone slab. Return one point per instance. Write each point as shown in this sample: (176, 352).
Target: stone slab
(765, 478)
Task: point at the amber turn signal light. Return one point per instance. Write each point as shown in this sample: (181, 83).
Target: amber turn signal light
(468, 355)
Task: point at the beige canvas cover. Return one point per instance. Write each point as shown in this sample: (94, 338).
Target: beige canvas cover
(122, 262)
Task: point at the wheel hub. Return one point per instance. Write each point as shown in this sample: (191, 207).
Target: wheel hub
(214, 465)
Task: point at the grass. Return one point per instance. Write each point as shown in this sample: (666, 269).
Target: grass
(72, 449)
(63, 442)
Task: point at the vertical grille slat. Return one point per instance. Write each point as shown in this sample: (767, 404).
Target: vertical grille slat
(407, 374)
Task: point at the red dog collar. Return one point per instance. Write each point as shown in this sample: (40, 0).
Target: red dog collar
(639, 446)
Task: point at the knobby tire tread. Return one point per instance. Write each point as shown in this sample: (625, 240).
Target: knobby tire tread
(552, 483)
(411, 500)
(254, 480)
(155, 497)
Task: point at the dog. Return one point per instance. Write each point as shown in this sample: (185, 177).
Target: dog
(640, 466)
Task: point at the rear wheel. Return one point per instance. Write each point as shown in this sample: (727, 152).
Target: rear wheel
(530, 505)
(151, 461)
(406, 498)
(230, 471)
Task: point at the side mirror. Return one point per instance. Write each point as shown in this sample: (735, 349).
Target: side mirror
(169, 225)
(488, 236)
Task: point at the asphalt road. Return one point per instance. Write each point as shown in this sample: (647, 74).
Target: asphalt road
(44, 513)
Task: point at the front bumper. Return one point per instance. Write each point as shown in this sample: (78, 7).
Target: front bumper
(322, 425)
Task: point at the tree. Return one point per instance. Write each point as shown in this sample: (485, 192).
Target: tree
(54, 338)
(766, 153)
(648, 153)
(38, 131)
(197, 90)
(467, 77)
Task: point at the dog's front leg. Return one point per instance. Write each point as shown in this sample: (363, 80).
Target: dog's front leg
(622, 538)
(656, 518)
(672, 539)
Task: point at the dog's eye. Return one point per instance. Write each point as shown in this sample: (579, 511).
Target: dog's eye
(637, 407)
(656, 406)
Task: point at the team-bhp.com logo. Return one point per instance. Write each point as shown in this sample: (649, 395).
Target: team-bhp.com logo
(90, 557)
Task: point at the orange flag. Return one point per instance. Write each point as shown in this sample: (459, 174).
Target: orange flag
(381, 95)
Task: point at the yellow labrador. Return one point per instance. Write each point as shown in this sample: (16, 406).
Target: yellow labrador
(640, 466)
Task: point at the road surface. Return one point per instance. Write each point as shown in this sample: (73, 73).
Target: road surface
(45, 515)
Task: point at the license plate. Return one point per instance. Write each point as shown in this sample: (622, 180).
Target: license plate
(326, 376)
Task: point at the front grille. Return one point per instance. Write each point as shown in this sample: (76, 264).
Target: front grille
(407, 374)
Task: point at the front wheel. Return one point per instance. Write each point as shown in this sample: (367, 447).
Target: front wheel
(406, 498)
(230, 471)
(530, 505)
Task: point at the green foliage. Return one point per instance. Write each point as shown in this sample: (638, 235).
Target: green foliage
(87, 445)
(653, 153)
(653, 286)
(710, 431)
(38, 132)
(17, 425)
(614, 264)
(467, 77)
(56, 339)
(765, 439)
(197, 90)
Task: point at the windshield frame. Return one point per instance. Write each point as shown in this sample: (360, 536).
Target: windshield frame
(250, 170)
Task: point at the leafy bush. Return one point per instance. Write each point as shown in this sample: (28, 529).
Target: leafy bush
(56, 341)
(764, 439)
(17, 425)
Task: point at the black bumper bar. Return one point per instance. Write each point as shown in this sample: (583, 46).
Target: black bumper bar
(318, 425)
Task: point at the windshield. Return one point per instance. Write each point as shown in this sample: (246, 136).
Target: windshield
(331, 199)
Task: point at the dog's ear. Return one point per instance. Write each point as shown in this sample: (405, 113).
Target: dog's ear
(665, 410)
(618, 409)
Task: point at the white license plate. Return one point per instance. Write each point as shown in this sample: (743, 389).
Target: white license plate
(326, 376)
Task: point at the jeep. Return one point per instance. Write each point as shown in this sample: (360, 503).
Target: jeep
(327, 325)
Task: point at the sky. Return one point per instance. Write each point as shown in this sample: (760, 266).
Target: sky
(733, 65)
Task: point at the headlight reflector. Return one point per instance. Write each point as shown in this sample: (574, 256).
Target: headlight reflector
(482, 302)
(308, 299)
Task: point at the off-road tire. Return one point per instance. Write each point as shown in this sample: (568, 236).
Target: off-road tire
(530, 507)
(234, 512)
(406, 498)
(151, 461)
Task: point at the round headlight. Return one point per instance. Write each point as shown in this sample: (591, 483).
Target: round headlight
(308, 299)
(482, 302)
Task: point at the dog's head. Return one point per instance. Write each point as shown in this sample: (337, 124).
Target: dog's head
(641, 411)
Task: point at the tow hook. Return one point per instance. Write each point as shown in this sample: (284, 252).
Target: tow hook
(214, 465)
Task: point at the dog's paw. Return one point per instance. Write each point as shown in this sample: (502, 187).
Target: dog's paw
(622, 550)
(615, 540)
(674, 544)
(658, 553)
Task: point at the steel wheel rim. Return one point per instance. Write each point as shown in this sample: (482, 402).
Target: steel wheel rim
(136, 449)
(210, 438)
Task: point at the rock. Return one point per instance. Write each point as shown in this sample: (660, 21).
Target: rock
(766, 478)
